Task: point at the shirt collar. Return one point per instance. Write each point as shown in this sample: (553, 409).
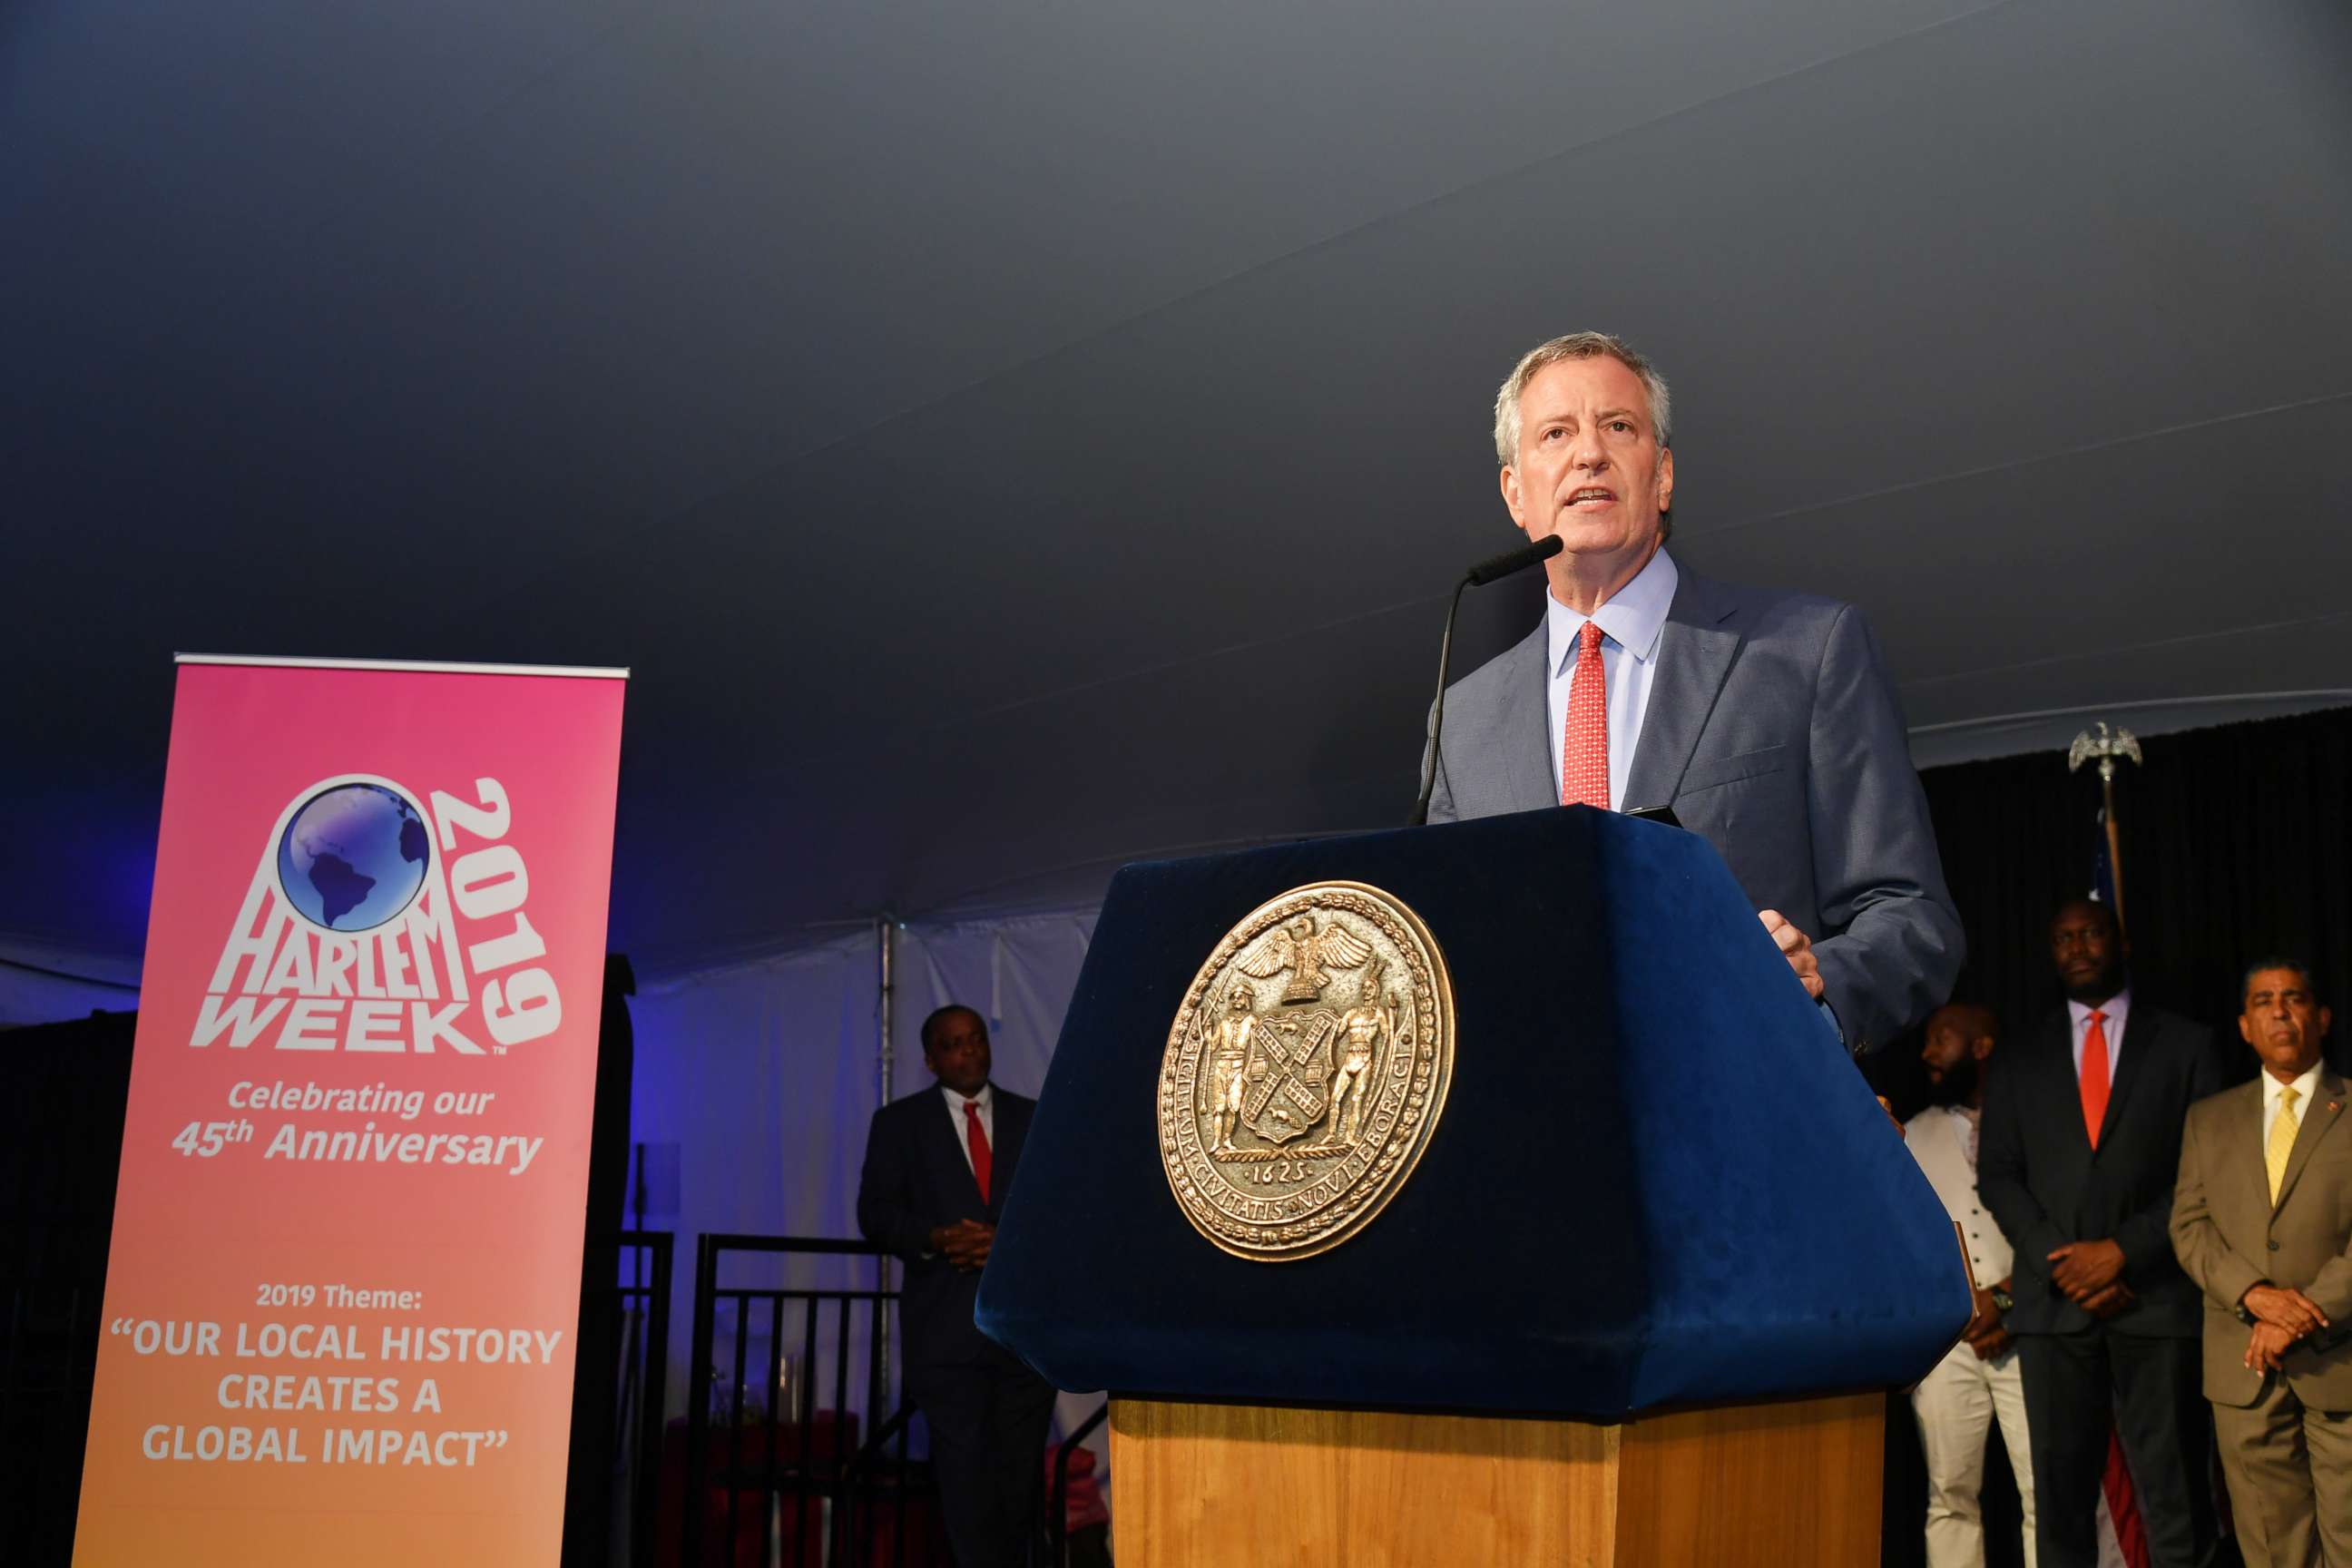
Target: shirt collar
(1633, 617)
(2114, 1007)
(2304, 1088)
(985, 1099)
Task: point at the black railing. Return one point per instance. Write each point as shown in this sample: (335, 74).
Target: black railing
(1057, 1519)
(645, 1291)
(765, 1425)
(868, 1485)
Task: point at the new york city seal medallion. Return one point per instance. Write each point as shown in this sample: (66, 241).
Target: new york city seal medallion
(1306, 1071)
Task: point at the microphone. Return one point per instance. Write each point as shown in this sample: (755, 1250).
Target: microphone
(1511, 562)
(1494, 569)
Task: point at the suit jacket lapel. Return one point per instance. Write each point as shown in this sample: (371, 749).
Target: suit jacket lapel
(947, 1147)
(1695, 654)
(2240, 1180)
(2065, 1096)
(2318, 1119)
(1531, 779)
(2131, 1062)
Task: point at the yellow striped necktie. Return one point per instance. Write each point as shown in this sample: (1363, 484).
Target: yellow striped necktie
(2281, 1139)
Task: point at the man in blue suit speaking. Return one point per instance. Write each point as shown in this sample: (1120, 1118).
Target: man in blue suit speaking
(1764, 720)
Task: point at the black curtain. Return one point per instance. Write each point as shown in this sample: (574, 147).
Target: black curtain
(60, 1151)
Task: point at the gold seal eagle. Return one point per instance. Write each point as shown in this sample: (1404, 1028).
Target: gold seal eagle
(1289, 1117)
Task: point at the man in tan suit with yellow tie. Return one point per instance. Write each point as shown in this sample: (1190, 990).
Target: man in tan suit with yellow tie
(2262, 1219)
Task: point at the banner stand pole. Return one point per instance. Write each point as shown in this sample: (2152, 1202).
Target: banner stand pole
(886, 931)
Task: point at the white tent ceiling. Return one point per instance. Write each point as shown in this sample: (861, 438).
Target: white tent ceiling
(1009, 438)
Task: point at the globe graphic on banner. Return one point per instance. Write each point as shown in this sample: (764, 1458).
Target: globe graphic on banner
(353, 857)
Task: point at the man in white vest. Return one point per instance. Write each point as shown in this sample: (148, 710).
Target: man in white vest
(1978, 1380)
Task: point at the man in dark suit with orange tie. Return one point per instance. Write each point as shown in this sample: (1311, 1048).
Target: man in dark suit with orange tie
(938, 1165)
(2081, 1144)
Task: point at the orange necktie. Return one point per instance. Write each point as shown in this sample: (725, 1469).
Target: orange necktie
(1584, 738)
(2095, 1076)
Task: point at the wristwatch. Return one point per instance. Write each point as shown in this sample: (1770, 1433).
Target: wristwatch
(2002, 1302)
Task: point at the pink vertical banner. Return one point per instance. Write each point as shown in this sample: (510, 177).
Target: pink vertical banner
(344, 1279)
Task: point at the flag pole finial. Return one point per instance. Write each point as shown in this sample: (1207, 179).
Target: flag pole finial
(2104, 748)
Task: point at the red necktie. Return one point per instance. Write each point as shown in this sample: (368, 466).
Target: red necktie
(2095, 1076)
(975, 1138)
(1584, 738)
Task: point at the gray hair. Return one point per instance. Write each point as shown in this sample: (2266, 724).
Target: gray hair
(1576, 345)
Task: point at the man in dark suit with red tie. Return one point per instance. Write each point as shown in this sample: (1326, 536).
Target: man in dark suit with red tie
(937, 1167)
(2081, 1145)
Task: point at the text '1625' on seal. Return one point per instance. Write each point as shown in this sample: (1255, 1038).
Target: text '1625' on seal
(1306, 1070)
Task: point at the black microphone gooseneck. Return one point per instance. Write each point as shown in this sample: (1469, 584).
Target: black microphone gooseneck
(1494, 569)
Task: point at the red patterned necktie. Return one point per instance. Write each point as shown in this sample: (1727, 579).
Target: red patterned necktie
(1584, 738)
(975, 1138)
(2095, 1076)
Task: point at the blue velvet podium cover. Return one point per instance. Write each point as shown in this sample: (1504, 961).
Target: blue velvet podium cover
(1657, 1179)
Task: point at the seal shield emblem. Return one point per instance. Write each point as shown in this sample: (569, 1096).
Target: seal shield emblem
(1306, 1070)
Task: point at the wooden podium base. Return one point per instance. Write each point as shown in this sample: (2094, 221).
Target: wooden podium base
(1776, 1485)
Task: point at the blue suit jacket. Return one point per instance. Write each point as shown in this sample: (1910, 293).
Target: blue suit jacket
(1773, 732)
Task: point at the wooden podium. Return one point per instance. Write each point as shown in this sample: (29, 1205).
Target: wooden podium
(1633, 1307)
(1776, 1484)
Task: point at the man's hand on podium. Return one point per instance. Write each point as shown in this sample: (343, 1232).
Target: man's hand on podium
(964, 1244)
(1797, 948)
